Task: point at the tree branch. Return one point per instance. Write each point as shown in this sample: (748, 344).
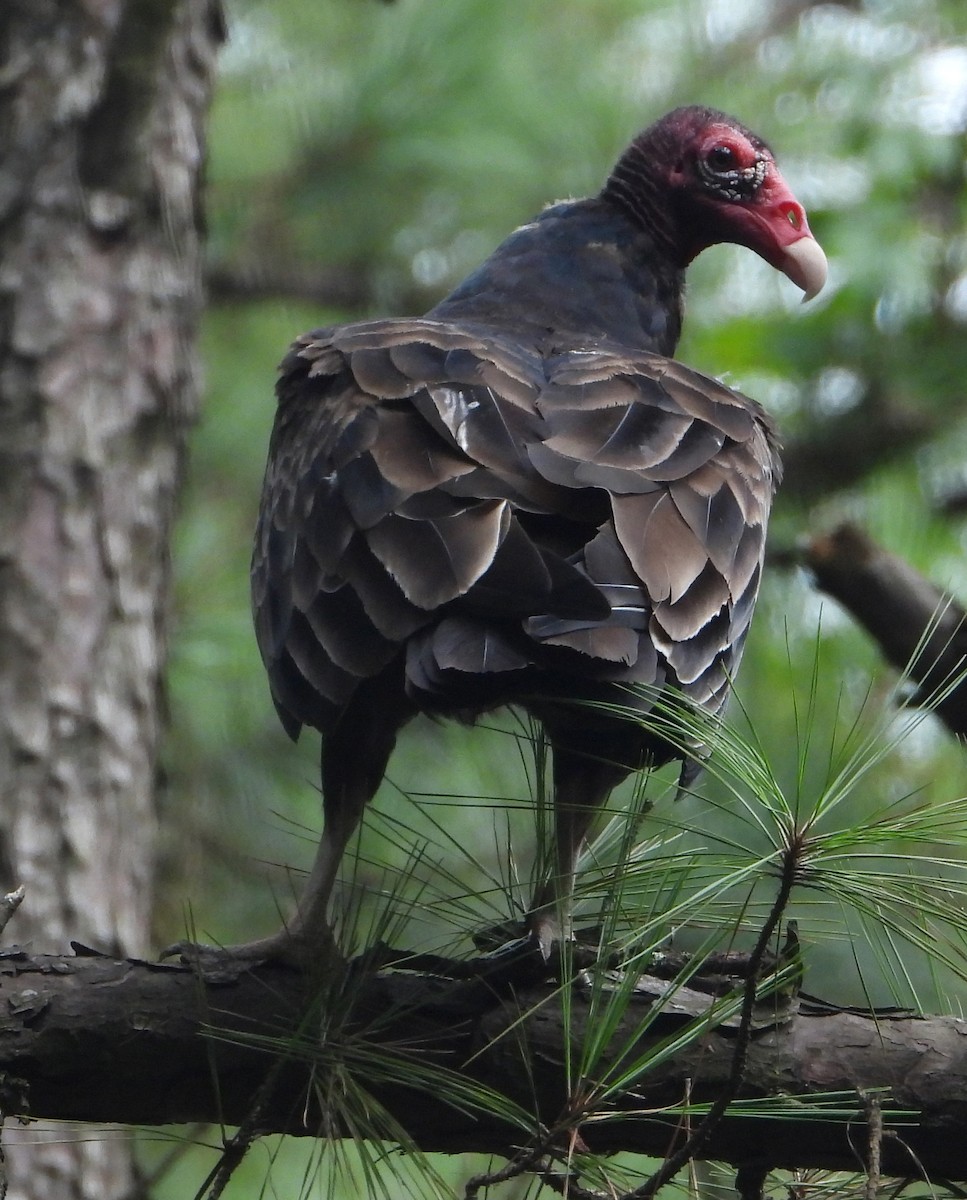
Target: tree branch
(918, 627)
(841, 451)
(352, 289)
(99, 1039)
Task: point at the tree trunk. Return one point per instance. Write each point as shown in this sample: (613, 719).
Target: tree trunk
(102, 108)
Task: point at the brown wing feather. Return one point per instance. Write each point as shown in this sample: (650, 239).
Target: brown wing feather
(690, 468)
(369, 531)
(493, 523)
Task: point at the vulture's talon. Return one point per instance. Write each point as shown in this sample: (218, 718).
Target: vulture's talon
(495, 938)
(225, 964)
(539, 955)
(519, 963)
(216, 964)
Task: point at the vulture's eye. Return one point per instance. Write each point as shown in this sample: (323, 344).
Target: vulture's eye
(732, 171)
(720, 159)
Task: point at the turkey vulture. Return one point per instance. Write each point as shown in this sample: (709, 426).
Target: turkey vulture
(520, 498)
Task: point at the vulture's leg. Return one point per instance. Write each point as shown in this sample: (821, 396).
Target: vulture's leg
(583, 780)
(355, 753)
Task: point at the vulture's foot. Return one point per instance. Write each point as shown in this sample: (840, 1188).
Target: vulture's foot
(533, 954)
(224, 964)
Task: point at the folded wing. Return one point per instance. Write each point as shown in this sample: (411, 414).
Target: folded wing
(456, 511)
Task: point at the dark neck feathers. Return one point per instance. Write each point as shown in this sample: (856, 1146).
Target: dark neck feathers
(635, 190)
(581, 273)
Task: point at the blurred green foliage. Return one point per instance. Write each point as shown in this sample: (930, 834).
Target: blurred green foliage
(364, 156)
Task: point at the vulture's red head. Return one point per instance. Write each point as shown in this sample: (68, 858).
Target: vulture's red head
(722, 185)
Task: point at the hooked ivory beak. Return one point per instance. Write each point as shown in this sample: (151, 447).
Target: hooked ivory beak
(805, 264)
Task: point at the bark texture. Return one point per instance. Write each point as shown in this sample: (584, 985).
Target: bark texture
(102, 106)
(101, 1039)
